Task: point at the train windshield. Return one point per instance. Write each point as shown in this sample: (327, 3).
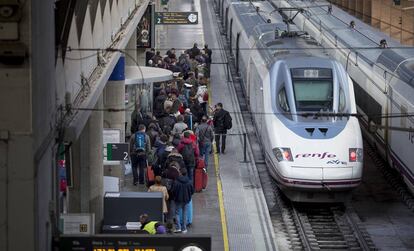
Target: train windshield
(313, 89)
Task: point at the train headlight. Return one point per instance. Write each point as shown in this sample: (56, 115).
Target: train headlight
(282, 154)
(356, 155)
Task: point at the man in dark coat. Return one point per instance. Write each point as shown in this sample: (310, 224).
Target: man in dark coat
(148, 56)
(159, 103)
(222, 122)
(183, 190)
(195, 51)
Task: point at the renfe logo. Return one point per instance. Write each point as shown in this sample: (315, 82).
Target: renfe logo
(315, 155)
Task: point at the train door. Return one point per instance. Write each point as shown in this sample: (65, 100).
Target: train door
(231, 35)
(226, 24)
(237, 53)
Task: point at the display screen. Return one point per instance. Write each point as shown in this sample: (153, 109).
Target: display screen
(132, 249)
(133, 243)
(313, 95)
(313, 89)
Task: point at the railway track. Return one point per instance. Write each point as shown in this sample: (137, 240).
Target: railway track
(304, 226)
(329, 227)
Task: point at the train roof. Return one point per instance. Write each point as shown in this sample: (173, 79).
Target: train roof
(273, 39)
(365, 40)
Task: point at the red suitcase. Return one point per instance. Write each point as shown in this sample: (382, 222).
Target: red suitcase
(201, 163)
(200, 179)
(149, 176)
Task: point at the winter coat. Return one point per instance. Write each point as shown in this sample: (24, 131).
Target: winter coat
(182, 189)
(175, 106)
(183, 143)
(179, 128)
(219, 117)
(167, 121)
(174, 157)
(159, 104)
(163, 190)
(205, 133)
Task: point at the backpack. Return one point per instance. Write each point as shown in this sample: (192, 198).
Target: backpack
(227, 121)
(188, 155)
(140, 141)
(152, 157)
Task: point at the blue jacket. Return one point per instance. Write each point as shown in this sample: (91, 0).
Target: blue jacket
(183, 189)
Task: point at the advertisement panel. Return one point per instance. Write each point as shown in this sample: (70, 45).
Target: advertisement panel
(145, 29)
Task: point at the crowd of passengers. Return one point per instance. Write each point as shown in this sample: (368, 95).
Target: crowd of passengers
(177, 133)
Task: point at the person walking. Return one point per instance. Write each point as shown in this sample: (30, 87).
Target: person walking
(222, 122)
(158, 187)
(205, 136)
(183, 190)
(140, 146)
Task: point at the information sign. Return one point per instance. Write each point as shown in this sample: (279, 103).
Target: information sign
(110, 135)
(117, 151)
(77, 224)
(176, 17)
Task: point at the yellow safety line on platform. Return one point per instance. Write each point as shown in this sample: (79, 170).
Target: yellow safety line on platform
(219, 190)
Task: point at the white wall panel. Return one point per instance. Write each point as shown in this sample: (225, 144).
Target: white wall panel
(73, 63)
(89, 59)
(107, 25)
(98, 35)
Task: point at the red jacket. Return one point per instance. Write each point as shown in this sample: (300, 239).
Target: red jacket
(185, 141)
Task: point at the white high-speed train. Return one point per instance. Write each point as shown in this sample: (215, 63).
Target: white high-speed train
(293, 90)
(384, 79)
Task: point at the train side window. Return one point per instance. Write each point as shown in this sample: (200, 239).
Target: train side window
(342, 101)
(282, 100)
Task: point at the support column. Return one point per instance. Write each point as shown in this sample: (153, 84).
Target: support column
(86, 195)
(114, 98)
(95, 128)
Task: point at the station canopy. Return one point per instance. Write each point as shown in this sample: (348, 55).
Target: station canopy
(134, 75)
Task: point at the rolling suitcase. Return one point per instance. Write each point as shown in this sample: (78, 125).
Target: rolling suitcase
(200, 179)
(149, 176)
(201, 163)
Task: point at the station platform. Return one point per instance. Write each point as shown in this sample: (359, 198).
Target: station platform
(232, 209)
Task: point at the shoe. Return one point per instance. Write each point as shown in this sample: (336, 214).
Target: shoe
(141, 183)
(189, 225)
(177, 231)
(135, 183)
(184, 231)
(223, 152)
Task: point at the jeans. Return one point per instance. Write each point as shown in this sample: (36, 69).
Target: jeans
(223, 141)
(178, 225)
(205, 149)
(190, 174)
(139, 161)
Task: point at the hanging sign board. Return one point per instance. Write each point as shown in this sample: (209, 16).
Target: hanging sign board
(176, 17)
